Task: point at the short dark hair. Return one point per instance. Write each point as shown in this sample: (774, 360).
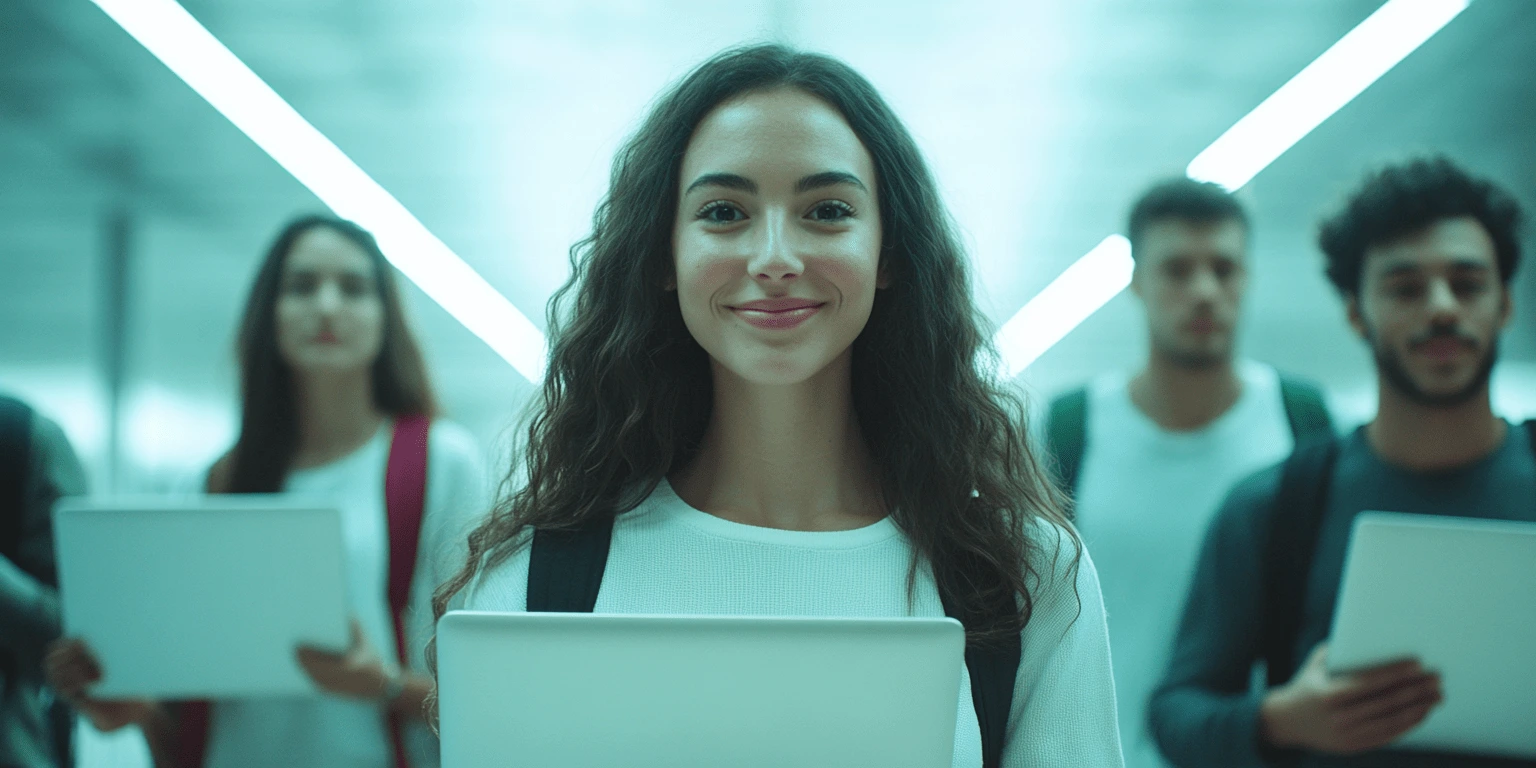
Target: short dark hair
(1405, 199)
(1197, 202)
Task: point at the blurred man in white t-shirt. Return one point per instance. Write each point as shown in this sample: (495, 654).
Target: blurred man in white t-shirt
(1148, 455)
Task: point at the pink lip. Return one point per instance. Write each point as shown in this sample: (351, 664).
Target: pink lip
(777, 314)
(1202, 326)
(326, 337)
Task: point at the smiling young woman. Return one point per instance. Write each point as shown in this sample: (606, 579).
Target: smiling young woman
(769, 385)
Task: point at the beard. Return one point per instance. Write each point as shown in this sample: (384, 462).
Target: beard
(1390, 365)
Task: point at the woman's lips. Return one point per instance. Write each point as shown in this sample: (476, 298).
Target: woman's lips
(776, 314)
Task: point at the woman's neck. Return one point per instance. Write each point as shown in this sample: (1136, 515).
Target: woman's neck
(788, 457)
(337, 416)
(1425, 438)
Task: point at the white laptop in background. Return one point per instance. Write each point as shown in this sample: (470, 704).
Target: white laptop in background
(1460, 595)
(201, 596)
(603, 690)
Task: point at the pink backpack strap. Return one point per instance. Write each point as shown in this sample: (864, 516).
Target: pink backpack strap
(405, 498)
(192, 723)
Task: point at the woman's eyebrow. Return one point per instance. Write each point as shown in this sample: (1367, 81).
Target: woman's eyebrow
(744, 184)
(727, 180)
(828, 179)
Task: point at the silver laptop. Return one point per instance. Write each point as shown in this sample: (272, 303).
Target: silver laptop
(603, 690)
(1459, 594)
(201, 596)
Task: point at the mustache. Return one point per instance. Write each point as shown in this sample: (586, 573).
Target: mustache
(1450, 332)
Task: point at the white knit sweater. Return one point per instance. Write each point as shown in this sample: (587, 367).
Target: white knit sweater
(667, 557)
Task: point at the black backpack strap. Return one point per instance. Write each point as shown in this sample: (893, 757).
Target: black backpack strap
(1306, 410)
(565, 567)
(15, 463)
(994, 671)
(1067, 435)
(1294, 523)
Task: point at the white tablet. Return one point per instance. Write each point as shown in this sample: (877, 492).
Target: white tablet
(202, 596)
(1460, 595)
(603, 690)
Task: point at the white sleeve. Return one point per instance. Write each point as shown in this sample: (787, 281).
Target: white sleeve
(503, 586)
(458, 498)
(1064, 701)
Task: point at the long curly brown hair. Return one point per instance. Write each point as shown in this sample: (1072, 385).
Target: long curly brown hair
(627, 393)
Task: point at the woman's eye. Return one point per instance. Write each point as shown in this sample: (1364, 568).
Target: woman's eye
(831, 211)
(1468, 287)
(302, 285)
(721, 213)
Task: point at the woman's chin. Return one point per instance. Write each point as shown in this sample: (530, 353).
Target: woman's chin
(777, 369)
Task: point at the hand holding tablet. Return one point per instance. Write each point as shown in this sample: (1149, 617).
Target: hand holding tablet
(1348, 713)
(1459, 595)
(204, 597)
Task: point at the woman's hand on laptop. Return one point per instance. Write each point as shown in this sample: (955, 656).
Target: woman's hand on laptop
(71, 668)
(1346, 714)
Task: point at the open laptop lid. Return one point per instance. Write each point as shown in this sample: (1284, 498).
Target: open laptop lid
(601, 690)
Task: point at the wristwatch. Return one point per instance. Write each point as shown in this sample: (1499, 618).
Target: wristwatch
(394, 685)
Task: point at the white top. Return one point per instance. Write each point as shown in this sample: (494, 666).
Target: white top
(669, 558)
(1145, 496)
(322, 731)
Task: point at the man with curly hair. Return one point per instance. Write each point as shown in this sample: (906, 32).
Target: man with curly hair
(1422, 254)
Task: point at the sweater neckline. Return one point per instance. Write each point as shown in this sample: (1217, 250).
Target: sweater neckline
(665, 501)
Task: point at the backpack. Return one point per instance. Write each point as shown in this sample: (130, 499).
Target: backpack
(565, 571)
(15, 460)
(1067, 430)
(1292, 528)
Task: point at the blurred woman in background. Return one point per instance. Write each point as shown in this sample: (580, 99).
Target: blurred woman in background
(335, 403)
(771, 391)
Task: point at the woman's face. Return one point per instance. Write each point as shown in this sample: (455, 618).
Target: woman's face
(776, 244)
(330, 318)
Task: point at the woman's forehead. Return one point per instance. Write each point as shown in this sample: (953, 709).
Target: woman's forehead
(780, 134)
(324, 249)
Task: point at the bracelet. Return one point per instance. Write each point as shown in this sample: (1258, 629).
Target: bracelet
(394, 685)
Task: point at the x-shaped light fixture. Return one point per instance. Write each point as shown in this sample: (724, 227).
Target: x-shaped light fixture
(1340, 74)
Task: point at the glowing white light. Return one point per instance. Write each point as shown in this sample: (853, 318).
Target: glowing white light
(1087, 285)
(1335, 78)
(164, 429)
(1340, 74)
(216, 74)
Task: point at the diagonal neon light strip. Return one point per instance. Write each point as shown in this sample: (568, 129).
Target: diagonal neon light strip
(197, 57)
(1067, 301)
(1332, 80)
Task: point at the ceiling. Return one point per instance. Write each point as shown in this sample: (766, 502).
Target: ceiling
(493, 121)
